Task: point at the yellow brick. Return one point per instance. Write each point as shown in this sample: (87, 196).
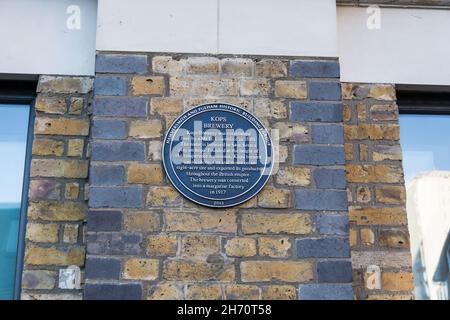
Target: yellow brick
(271, 68)
(217, 221)
(190, 270)
(51, 105)
(141, 85)
(70, 234)
(166, 64)
(204, 292)
(348, 149)
(241, 247)
(347, 113)
(55, 168)
(287, 271)
(52, 256)
(274, 247)
(163, 197)
(269, 108)
(294, 176)
(242, 292)
(291, 89)
(142, 221)
(278, 223)
(145, 173)
(72, 190)
(75, 148)
(279, 292)
(48, 147)
(166, 291)
(363, 195)
(398, 239)
(367, 237)
(60, 126)
(162, 245)
(163, 106)
(254, 87)
(46, 233)
(141, 269)
(374, 173)
(199, 245)
(398, 281)
(203, 86)
(372, 132)
(76, 106)
(145, 129)
(382, 92)
(57, 211)
(378, 216)
(390, 194)
(202, 65)
(353, 237)
(271, 197)
(237, 67)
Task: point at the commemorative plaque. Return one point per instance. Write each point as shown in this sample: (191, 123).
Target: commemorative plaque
(218, 155)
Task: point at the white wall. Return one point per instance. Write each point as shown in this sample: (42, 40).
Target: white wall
(283, 27)
(411, 47)
(36, 40)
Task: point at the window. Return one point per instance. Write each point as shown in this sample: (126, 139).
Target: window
(425, 140)
(15, 118)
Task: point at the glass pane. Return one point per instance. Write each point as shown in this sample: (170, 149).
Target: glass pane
(13, 143)
(425, 143)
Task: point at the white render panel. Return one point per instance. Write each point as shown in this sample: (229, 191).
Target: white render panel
(283, 27)
(157, 25)
(267, 27)
(36, 40)
(411, 46)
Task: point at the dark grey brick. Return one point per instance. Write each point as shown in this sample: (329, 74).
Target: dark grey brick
(323, 248)
(332, 224)
(117, 151)
(323, 200)
(316, 111)
(334, 271)
(325, 292)
(106, 175)
(102, 221)
(112, 291)
(319, 90)
(327, 134)
(318, 155)
(108, 129)
(114, 243)
(314, 69)
(121, 106)
(115, 197)
(97, 268)
(330, 178)
(110, 86)
(116, 63)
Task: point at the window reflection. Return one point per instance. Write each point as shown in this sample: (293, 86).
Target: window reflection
(13, 143)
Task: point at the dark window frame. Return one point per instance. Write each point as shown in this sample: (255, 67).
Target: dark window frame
(21, 92)
(423, 100)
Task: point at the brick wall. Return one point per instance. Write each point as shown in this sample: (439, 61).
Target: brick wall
(59, 169)
(379, 235)
(145, 241)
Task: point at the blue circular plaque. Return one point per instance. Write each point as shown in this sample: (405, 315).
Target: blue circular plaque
(218, 155)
